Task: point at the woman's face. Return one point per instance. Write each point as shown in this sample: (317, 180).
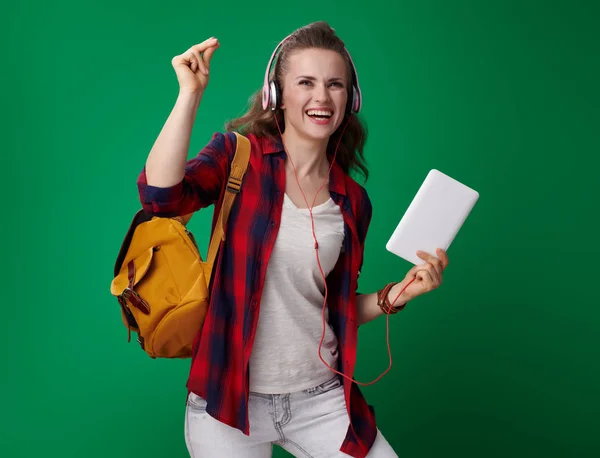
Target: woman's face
(315, 91)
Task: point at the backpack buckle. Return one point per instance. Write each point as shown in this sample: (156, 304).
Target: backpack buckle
(234, 185)
(136, 300)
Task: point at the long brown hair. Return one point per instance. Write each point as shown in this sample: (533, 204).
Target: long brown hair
(262, 122)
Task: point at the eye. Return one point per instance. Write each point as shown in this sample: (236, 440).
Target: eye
(302, 82)
(338, 84)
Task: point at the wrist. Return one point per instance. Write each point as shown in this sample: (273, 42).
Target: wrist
(189, 97)
(402, 299)
(386, 296)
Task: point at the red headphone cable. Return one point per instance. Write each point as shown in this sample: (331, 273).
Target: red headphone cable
(321, 269)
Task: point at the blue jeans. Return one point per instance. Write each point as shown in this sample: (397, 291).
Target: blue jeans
(309, 424)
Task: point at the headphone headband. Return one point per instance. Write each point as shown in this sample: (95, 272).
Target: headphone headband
(270, 96)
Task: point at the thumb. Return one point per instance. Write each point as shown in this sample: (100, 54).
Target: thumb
(207, 56)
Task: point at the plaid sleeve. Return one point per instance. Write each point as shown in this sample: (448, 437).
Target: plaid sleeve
(205, 176)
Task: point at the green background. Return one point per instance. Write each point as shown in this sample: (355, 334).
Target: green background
(502, 360)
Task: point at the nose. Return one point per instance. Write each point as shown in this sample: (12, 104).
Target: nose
(322, 93)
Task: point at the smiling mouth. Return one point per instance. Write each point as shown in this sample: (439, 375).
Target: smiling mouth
(319, 115)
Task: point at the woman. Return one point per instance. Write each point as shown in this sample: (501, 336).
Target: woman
(281, 376)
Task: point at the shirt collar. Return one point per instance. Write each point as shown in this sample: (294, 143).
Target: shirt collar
(337, 177)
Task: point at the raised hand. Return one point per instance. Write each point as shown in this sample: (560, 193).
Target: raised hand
(192, 67)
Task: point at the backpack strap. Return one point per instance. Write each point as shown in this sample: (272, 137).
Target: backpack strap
(239, 166)
(234, 183)
(238, 169)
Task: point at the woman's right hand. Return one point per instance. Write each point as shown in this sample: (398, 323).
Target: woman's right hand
(192, 67)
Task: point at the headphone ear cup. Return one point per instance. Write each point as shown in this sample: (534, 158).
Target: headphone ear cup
(351, 104)
(275, 95)
(356, 99)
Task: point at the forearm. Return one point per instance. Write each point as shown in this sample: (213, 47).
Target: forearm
(367, 308)
(165, 165)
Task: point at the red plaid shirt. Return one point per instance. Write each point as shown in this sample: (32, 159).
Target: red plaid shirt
(219, 370)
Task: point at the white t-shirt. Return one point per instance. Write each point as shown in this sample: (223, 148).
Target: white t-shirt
(285, 355)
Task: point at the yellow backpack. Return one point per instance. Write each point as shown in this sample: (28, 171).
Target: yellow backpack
(160, 279)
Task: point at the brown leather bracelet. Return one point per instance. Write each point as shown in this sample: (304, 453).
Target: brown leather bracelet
(383, 300)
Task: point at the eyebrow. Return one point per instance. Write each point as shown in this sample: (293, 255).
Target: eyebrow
(312, 78)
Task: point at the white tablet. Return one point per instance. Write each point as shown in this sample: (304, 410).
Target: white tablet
(433, 218)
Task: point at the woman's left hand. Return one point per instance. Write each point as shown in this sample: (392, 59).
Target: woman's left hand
(427, 276)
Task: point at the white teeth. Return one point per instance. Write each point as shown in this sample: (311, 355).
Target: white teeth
(319, 113)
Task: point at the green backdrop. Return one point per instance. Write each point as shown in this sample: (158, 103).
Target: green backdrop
(502, 360)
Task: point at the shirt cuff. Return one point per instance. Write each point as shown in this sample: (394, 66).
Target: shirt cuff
(162, 200)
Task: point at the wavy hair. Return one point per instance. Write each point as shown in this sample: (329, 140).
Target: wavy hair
(261, 122)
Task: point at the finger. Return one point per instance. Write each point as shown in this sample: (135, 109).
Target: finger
(208, 55)
(432, 260)
(201, 47)
(197, 51)
(192, 61)
(436, 276)
(425, 256)
(425, 278)
(200, 61)
(188, 58)
(443, 257)
(439, 269)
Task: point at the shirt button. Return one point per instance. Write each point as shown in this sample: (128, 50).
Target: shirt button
(272, 223)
